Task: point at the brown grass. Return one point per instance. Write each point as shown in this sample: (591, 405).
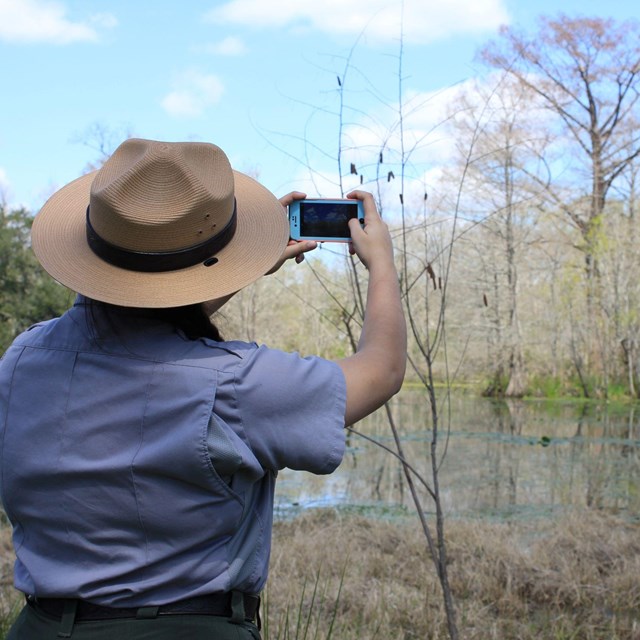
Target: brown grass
(341, 576)
(10, 600)
(577, 577)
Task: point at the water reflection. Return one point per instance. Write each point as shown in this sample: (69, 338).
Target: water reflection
(502, 458)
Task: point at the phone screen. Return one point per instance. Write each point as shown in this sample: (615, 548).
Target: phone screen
(326, 219)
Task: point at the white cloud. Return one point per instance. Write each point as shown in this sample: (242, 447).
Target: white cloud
(105, 20)
(424, 20)
(193, 93)
(4, 182)
(436, 149)
(29, 21)
(427, 140)
(230, 46)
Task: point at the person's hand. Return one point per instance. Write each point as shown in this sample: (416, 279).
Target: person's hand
(371, 243)
(295, 249)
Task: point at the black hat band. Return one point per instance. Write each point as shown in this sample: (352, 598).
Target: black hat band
(156, 261)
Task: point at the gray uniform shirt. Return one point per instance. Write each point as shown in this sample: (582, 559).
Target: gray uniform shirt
(140, 468)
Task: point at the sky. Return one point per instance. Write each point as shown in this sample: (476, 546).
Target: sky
(275, 83)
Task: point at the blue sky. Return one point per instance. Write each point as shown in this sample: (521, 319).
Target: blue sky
(257, 77)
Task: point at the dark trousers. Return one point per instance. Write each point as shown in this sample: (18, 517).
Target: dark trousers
(34, 624)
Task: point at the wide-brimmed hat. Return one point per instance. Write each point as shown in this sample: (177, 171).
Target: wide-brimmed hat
(161, 224)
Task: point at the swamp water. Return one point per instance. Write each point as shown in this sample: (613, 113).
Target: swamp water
(498, 459)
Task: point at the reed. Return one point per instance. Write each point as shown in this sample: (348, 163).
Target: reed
(573, 577)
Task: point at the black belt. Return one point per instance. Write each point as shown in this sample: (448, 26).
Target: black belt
(215, 604)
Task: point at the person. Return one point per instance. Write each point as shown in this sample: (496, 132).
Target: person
(140, 449)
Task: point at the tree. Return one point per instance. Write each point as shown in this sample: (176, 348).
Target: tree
(501, 126)
(587, 72)
(28, 294)
(396, 156)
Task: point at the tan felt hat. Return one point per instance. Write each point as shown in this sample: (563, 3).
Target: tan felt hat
(161, 224)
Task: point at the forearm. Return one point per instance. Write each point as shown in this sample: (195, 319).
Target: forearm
(376, 371)
(384, 334)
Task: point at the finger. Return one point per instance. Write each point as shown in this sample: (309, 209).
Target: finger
(295, 249)
(285, 201)
(368, 203)
(355, 228)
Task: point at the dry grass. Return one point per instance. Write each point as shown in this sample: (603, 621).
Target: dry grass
(341, 576)
(574, 578)
(10, 600)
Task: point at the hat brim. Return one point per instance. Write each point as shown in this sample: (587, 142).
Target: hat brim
(59, 241)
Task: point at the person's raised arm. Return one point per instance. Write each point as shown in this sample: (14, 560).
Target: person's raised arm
(376, 371)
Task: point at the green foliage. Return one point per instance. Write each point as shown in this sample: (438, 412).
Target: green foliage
(28, 294)
(556, 388)
(496, 386)
(544, 441)
(542, 386)
(617, 391)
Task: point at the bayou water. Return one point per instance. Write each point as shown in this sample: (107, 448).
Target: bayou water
(496, 459)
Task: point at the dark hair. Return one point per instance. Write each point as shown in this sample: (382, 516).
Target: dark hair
(191, 319)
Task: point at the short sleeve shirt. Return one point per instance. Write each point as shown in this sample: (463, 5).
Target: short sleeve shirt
(138, 467)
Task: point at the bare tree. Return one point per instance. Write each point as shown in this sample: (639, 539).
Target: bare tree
(587, 72)
(501, 195)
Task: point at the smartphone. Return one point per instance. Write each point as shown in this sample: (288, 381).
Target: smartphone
(323, 220)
